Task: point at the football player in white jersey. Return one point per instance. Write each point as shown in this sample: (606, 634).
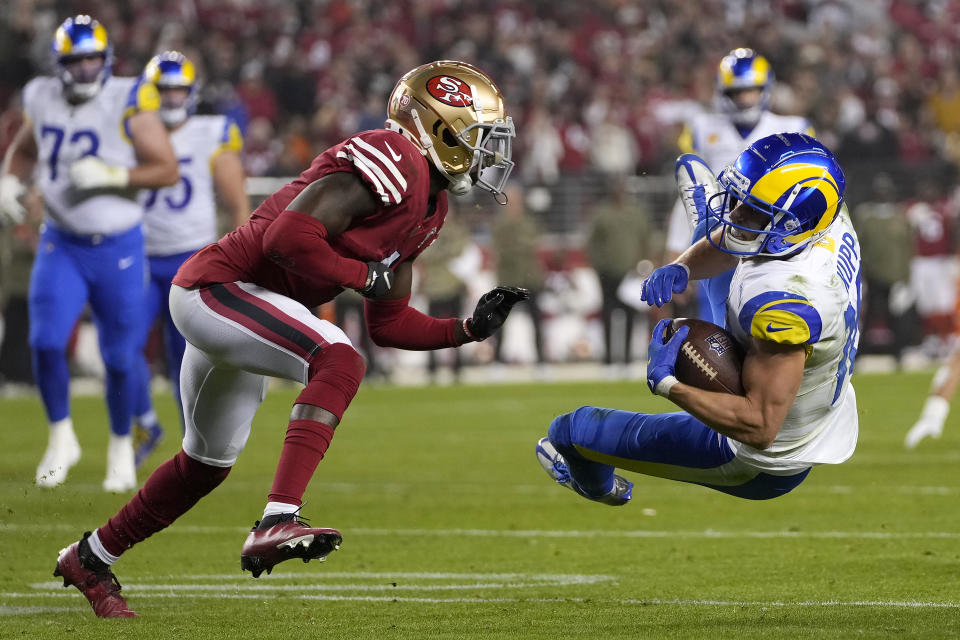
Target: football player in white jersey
(181, 219)
(741, 116)
(93, 141)
(794, 307)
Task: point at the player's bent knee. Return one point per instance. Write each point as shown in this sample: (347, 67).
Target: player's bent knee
(47, 345)
(335, 375)
(559, 431)
(119, 358)
(200, 478)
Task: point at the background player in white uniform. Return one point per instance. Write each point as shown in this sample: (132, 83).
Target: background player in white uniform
(794, 305)
(741, 117)
(181, 219)
(94, 140)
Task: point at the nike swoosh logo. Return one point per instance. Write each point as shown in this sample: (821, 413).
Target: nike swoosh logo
(772, 329)
(396, 156)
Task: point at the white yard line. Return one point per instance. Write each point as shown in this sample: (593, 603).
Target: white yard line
(172, 593)
(10, 610)
(546, 533)
(566, 578)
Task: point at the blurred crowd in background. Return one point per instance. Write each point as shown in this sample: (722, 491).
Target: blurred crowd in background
(599, 92)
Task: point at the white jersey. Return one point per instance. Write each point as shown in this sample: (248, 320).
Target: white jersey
(812, 299)
(714, 138)
(183, 217)
(65, 133)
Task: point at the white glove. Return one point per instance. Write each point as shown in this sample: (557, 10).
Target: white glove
(90, 172)
(12, 210)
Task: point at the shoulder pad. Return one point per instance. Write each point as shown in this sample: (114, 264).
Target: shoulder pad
(143, 97)
(230, 136)
(33, 90)
(386, 161)
(780, 316)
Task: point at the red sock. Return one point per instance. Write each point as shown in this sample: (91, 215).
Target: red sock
(303, 448)
(335, 375)
(169, 492)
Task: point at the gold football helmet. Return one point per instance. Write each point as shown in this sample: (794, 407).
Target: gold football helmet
(454, 113)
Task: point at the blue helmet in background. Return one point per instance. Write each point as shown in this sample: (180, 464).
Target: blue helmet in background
(81, 37)
(739, 70)
(173, 70)
(792, 179)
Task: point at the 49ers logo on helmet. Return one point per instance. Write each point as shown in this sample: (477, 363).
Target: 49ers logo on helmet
(450, 90)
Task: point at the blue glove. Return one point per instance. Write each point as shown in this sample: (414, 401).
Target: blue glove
(662, 358)
(663, 283)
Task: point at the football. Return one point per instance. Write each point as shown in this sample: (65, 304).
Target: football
(710, 358)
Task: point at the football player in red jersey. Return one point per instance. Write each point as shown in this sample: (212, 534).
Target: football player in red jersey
(356, 218)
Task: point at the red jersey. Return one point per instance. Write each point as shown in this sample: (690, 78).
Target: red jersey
(932, 228)
(406, 222)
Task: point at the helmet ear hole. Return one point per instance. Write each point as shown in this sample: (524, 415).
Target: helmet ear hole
(449, 139)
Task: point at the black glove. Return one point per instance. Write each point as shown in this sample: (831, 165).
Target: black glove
(380, 280)
(492, 311)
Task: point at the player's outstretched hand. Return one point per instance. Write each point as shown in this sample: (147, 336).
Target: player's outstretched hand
(669, 279)
(90, 172)
(492, 311)
(380, 280)
(662, 358)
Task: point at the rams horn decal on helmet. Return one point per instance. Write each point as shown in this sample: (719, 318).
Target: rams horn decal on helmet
(81, 37)
(793, 180)
(173, 70)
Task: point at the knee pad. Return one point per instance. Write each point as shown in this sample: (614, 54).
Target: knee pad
(335, 375)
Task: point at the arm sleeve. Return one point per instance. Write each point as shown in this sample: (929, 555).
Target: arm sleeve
(298, 243)
(394, 323)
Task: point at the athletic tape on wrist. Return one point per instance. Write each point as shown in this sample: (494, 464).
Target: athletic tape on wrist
(663, 387)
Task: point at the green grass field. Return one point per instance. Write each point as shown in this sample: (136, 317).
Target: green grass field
(452, 530)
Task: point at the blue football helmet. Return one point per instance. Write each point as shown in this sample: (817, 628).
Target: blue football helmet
(739, 70)
(790, 178)
(77, 38)
(173, 70)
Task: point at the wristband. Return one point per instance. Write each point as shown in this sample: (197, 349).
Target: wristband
(663, 387)
(466, 330)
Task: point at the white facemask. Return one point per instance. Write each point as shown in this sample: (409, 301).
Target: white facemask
(172, 117)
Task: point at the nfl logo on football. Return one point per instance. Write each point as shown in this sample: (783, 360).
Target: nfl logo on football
(719, 343)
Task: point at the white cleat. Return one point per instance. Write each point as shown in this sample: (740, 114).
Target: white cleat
(695, 180)
(121, 467)
(556, 467)
(930, 424)
(924, 428)
(63, 451)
